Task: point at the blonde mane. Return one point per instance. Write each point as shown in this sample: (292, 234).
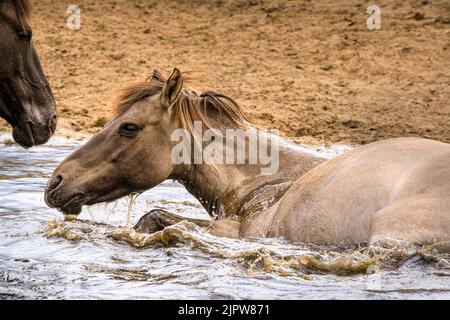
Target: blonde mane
(188, 108)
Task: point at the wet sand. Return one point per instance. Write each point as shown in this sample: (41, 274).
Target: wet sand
(308, 68)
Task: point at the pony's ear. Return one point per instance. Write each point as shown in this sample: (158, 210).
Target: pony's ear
(155, 75)
(171, 89)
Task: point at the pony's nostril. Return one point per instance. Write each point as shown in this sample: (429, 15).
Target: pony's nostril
(54, 183)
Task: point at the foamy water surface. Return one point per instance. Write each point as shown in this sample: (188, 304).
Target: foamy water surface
(98, 257)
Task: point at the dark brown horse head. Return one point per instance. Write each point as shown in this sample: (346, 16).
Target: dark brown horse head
(133, 153)
(26, 100)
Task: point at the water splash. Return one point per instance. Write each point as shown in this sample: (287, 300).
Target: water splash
(262, 255)
(103, 211)
(104, 260)
(133, 196)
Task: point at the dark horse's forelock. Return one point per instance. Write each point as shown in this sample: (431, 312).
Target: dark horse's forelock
(189, 106)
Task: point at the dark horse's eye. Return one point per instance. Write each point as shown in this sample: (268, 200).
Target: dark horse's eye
(25, 35)
(129, 129)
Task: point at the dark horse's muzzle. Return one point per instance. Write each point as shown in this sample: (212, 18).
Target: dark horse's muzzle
(34, 120)
(32, 132)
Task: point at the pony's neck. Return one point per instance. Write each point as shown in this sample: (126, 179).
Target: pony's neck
(240, 191)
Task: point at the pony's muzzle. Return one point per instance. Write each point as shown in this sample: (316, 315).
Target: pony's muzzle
(57, 196)
(51, 197)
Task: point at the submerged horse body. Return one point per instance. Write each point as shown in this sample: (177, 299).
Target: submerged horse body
(26, 100)
(393, 189)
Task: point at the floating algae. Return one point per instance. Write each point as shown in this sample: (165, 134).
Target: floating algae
(58, 229)
(347, 264)
(255, 259)
(8, 142)
(339, 261)
(70, 217)
(438, 253)
(264, 256)
(181, 204)
(182, 232)
(136, 239)
(76, 230)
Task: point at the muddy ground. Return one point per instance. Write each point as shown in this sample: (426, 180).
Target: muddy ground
(312, 69)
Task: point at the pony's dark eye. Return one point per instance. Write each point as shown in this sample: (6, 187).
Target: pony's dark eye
(25, 35)
(129, 129)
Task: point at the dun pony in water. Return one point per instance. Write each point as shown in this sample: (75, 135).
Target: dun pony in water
(26, 100)
(392, 189)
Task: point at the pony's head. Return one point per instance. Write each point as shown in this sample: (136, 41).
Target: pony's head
(133, 152)
(26, 100)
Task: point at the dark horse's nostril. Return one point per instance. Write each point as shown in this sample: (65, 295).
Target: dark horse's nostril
(54, 183)
(52, 124)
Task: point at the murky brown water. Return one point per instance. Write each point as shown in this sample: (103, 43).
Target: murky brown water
(42, 256)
